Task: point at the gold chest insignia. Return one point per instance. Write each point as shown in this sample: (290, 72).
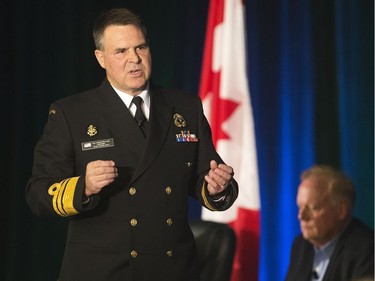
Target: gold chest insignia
(179, 120)
(91, 130)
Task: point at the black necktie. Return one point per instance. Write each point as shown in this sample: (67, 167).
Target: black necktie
(139, 117)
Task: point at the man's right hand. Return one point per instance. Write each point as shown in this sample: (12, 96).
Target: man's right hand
(99, 174)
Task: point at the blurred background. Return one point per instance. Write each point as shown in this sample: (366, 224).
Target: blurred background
(311, 77)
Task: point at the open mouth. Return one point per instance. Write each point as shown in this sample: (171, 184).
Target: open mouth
(135, 72)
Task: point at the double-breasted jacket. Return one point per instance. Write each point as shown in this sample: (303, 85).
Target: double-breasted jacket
(137, 227)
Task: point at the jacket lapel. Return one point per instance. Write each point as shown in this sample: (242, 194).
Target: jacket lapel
(159, 123)
(120, 121)
(126, 132)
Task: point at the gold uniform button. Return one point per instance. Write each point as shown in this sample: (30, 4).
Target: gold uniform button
(169, 253)
(168, 190)
(169, 221)
(133, 222)
(133, 254)
(132, 191)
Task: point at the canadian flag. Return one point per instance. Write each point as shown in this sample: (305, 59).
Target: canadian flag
(225, 94)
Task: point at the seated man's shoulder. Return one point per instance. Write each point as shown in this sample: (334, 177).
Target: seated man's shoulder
(358, 234)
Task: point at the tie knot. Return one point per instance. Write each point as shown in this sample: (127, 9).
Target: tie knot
(139, 116)
(137, 101)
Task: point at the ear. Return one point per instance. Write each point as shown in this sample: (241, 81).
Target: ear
(343, 210)
(100, 57)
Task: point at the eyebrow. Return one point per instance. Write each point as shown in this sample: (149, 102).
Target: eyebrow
(121, 49)
(144, 44)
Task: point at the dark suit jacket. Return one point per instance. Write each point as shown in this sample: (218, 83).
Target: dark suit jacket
(352, 257)
(137, 227)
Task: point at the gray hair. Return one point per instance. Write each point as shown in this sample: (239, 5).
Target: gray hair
(340, 186)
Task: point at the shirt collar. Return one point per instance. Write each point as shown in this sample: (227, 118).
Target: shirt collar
(127, 99)
(328, 247)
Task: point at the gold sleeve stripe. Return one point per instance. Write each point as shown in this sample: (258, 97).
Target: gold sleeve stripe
(59, 198)
(63, 195)
(205, 200)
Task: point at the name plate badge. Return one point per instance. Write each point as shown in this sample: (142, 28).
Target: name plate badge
(90, 145)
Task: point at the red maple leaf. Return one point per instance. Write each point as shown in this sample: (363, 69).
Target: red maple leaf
(220, 109)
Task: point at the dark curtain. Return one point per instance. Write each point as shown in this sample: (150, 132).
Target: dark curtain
(311, 75)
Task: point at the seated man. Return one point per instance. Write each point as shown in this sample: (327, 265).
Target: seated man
(333, 245)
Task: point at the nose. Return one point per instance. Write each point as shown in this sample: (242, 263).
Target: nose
(134, 56)
(302, 213)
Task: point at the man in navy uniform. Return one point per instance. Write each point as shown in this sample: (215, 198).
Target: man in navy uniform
(122, 168)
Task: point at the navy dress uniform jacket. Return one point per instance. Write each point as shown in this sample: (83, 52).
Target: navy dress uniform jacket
(137, 227)
(353, 256)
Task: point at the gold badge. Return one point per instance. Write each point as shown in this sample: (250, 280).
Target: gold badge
(179, 121)
(91, 130)
(52, 111)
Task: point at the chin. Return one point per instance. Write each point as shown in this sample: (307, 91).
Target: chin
(139, 86)
(306, 235)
